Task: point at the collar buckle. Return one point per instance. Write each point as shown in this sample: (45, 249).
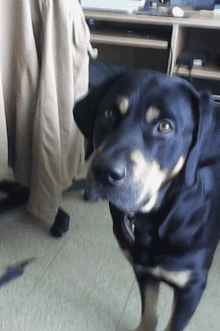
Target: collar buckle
(129, 221)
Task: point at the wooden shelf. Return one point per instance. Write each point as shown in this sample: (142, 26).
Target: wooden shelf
(210, 71)
(135, 40)
(148, 44)
(202, 20)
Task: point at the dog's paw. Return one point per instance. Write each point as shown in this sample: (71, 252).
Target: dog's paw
(61, 224)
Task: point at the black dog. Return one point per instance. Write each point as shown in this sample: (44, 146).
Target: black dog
(156, 160)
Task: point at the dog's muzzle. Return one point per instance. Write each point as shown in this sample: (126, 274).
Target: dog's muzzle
(108, 171)
(110, 177)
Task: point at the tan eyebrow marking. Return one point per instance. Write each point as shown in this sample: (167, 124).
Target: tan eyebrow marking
(123, 104)
(152, 113)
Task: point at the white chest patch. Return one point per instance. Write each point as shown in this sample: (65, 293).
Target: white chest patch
(179, 278)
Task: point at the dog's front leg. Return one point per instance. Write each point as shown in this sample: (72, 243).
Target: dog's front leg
(185, 303)
(149, 290)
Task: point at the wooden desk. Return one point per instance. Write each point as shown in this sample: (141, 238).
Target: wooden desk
(157, 41)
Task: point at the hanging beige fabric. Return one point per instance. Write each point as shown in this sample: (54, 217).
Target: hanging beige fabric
(43, 70)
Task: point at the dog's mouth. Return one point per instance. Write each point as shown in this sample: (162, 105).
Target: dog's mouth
(129, 194)
(124, 198)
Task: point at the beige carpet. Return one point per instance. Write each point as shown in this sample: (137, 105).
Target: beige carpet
(81, 282)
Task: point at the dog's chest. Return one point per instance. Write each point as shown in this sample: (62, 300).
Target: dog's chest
(142, 246)
(139, 243)
(178, 278)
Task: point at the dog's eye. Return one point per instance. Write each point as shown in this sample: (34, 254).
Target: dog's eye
(108, 114)
(164, 127)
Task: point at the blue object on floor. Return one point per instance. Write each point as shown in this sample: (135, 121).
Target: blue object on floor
(14, 272)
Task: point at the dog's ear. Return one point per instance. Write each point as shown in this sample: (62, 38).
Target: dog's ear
(84, 113)
(85, 110)
(205, 121)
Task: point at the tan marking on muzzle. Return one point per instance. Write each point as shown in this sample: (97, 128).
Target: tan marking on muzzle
(100, 148)
(152, 113)
(150, 205)
(177, 167)
(94, 154)
(149, 178)
(123, 104)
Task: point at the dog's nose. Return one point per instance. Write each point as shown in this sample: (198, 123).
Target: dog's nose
(109, 171)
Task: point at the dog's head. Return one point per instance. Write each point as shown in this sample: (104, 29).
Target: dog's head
(143, 135)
